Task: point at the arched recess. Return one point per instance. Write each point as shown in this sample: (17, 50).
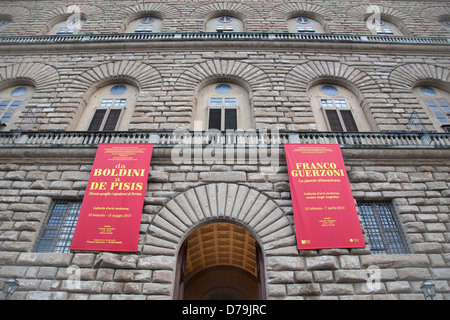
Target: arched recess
(408, 79)
(219, 202)
(220, 260)
(308, 74)
(436, 15)
(159, 10)
(359, 14)
(312, 10)
(406, 76)
(194, 79)
(229, 69)
(43, 77)
(238, 10)
(14, 16)
(140, 75)
(59, 14)
(143, 75)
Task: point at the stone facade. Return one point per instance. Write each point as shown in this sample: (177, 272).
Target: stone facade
(278, 74)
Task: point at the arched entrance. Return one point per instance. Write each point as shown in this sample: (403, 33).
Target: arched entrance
(220, 261)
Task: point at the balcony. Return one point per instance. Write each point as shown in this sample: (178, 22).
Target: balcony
(213, 36)
(166, 139)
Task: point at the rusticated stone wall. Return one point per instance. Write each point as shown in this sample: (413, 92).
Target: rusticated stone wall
(416, 18)
(243, 194)
(277, 75)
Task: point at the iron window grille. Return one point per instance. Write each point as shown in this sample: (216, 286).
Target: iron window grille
(58, 231)
(382, 228)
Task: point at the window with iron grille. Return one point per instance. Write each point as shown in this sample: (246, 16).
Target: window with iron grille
(57, 233)
(382, 228)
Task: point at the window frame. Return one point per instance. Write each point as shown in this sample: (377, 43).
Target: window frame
(222, 107)
(106, 116)
(338, 109)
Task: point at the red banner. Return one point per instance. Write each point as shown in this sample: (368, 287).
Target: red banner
(110, 214)
(325, 215)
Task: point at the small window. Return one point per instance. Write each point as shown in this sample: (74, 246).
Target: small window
(302, 20)
(329, 90)
(428, 91)
(20, 91)
(223, 88)
(118, 89)
(57, 233)
(147, 20)
(225, 19)
(382, 228)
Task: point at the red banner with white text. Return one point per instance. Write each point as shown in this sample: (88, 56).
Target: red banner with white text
(111, 211)
(325, 215)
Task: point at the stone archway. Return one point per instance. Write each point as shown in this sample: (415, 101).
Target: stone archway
(220, 260)
(219, 201)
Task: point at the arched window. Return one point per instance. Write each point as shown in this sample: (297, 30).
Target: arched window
(224, 23)
(220, 261)
(67, 25)
(336, 108)
(12, 102)
(436, 102)
(223, 106)
(109, 109)
(303, 24)
(145, 24)
(381, 26)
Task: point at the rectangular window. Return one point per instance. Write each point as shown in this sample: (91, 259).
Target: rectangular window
(105, 118)
(227, 28)
(66, 31)
(339, 115)
(97, 120)
(333, 120)
(57, 233)
(111, 121)
(307, 29)
(382, 228)
(349, 122)
(223, 113)
(384, 31)
(231, 119)
(142, 28)
(215, 119)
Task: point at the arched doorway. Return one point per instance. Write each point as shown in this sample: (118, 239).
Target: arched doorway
(220, 261)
